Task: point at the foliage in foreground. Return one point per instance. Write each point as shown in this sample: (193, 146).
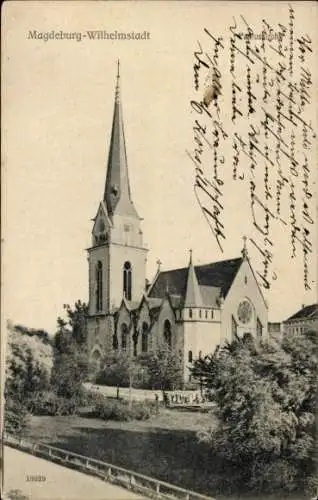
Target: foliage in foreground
(16, 417)
(114, 409)
(45, 377)
(49, 403)
(29, 359)
(266, 398)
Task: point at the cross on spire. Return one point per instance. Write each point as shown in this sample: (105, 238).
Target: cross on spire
(158, 262)
(190, 253)
(244, 250)
(117, 92)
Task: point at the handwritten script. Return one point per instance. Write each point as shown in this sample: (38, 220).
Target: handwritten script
(252, 110)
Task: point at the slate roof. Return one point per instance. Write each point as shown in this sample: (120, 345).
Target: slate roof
(308, 312)
(210, 295)
(218, 276)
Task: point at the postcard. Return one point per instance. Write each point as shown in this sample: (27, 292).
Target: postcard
(159, 249)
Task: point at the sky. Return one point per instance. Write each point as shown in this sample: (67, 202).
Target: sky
(58, 99)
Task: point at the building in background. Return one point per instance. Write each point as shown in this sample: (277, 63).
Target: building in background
(275, 330)
(192, 309)
(303, 320)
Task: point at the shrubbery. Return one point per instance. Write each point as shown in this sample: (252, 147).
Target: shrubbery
(44, 377)
(16, 417)
(51, 404)
(28, 367)
(266, 401)
(114, 409)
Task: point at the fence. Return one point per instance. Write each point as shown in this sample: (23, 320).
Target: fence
(133, 481)
(174, 399)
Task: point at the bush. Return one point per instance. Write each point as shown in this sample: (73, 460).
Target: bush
(265, 394)
(88, 398)
(51, 404)
(114, 409)
(16, 417)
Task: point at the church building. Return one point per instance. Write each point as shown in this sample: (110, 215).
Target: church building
(192, 309)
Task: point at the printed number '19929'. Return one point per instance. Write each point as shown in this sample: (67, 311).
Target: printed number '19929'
(36, 478)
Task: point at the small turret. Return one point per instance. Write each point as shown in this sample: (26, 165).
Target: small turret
(193, 296)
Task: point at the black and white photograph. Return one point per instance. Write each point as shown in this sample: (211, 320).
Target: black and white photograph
(159, 250)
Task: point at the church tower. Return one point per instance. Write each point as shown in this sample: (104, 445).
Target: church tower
(117, 257)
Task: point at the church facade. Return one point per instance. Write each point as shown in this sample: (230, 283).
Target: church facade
(192, 309)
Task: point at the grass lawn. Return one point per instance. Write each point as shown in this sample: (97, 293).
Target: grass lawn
(164, 447)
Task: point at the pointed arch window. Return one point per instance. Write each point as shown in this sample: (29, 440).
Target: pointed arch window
(144, 337)
(190, 357)
(234, 328)
(259, 328)
(135, 342)
(99, 286)
(167, 332)
(127, 280)
(124, 336)
(115, 342)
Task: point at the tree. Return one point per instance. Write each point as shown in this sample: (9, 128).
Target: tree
(29, 360)
(72, 332)
(69, 371)
(265, 395)
(164, 368)
(120, 370)
(28, 364)
(115, 370)
(77, 320)
(70, 367)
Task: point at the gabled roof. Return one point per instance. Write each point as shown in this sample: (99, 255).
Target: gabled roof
(308, 312)
(102, 208)
(219, 275)
(151, 302)
(130, 305)
(154, 302)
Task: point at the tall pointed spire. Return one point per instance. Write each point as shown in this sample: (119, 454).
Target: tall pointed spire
(117, 195)
(193, 295)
